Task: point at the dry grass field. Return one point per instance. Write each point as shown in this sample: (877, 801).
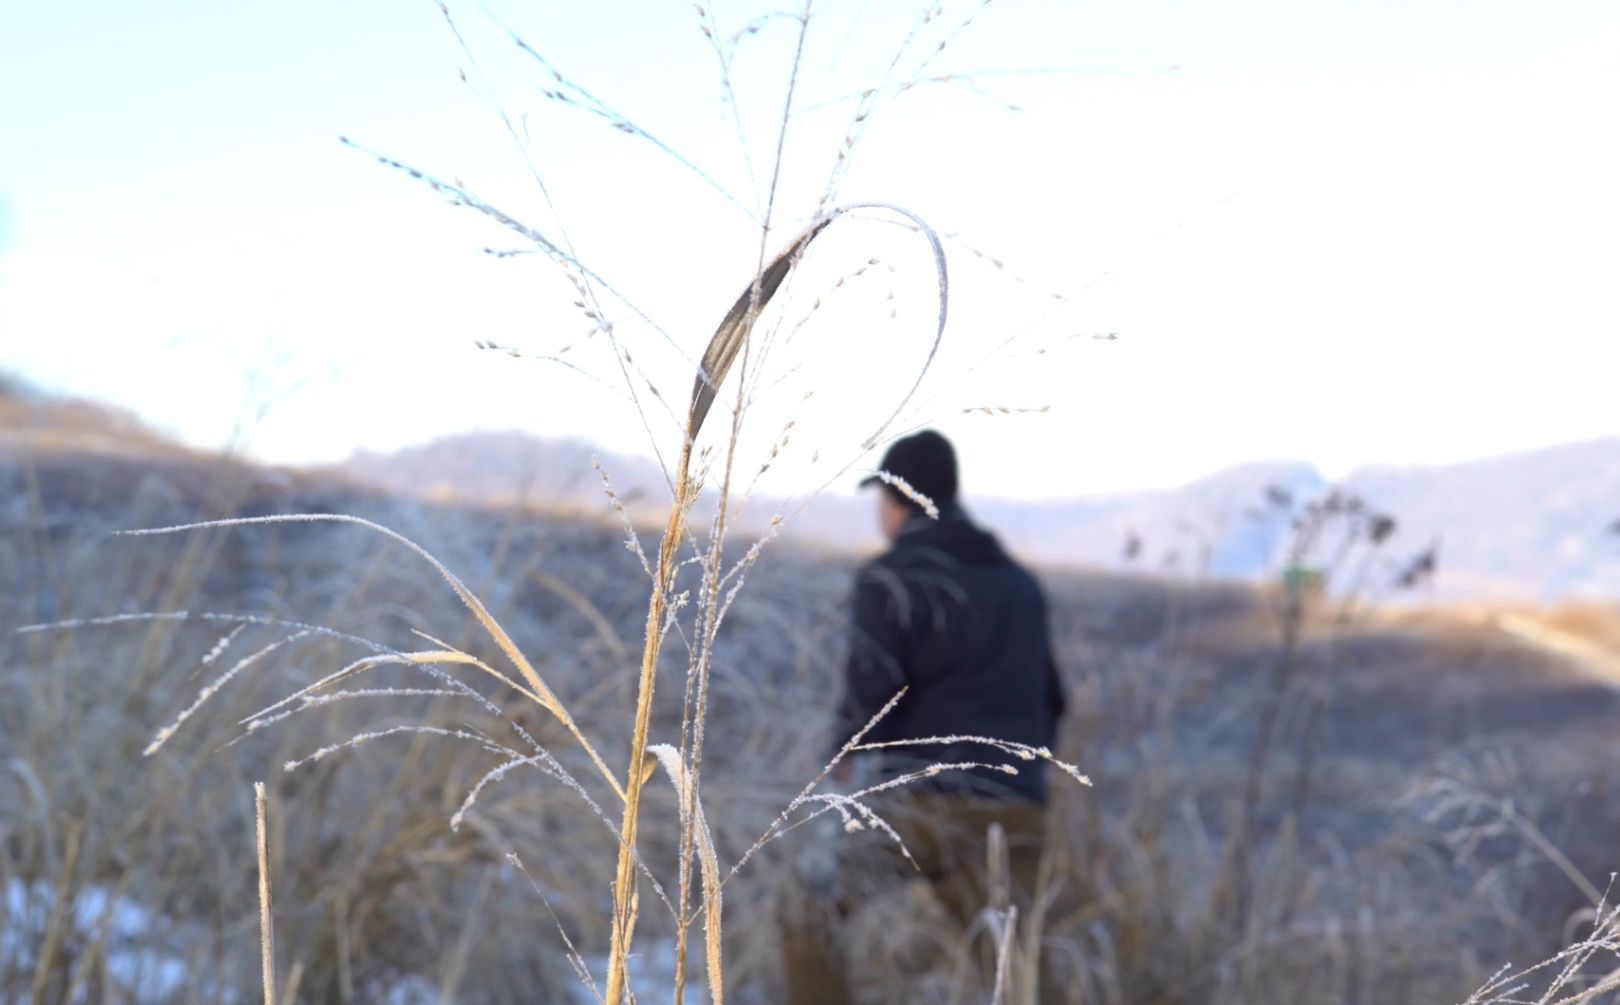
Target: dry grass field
(1439, 800)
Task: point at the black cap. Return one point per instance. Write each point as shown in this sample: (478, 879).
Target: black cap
(927, 462)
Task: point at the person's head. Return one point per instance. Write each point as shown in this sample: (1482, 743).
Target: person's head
(926, 462)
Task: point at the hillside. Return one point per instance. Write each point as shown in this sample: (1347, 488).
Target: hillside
(34, 422)
(1532, 526)
(1538, 526)
(1423, 762)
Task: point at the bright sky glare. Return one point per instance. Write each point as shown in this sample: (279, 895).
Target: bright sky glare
(1341, 232)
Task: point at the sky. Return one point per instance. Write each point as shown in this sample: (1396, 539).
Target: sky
(1340, 232)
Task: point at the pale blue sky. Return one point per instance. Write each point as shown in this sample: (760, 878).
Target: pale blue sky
(1340, 232)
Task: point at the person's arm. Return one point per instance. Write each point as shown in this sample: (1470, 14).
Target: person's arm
(875, 669)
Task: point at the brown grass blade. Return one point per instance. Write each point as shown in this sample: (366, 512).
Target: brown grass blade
(670, 760)
(734, 328)
(61, 911)
(538, 691)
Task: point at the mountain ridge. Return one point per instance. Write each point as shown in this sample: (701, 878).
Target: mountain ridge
(1530, 525)
(1539, 525)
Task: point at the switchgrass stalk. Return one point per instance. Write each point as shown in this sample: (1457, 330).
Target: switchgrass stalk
(691, 809)
(267, 932)
(624, 877)
(729, 338)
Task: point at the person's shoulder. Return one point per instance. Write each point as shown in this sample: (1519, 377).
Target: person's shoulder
(877, 567)
(900, 567)
(1026, 578)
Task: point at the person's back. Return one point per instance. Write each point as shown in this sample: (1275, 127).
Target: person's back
(948, 616)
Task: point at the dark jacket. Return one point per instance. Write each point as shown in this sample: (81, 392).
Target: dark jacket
(948, 615)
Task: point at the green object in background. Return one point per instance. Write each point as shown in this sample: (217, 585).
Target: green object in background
(1301, 581)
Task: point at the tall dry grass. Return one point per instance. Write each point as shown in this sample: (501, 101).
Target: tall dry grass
(315, 624)
(163, 837)
(1413, 874)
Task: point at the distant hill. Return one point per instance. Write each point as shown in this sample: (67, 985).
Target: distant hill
(1538, 524)
(1534, 526)
(510, 468)
(1530, 526)
(33, 421)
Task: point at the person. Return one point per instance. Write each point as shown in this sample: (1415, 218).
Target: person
(948, 616)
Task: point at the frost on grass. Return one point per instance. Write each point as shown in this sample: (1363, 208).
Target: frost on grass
(214, 688)
(906, 489)
(1585, 971)
(360, 739)
(1022, 751)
